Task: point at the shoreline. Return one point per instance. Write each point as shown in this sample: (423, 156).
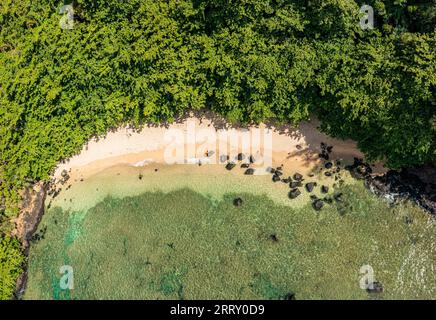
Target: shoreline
(295, 149)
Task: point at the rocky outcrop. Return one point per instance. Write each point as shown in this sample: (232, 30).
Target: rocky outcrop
(32, 210)
(413, 184)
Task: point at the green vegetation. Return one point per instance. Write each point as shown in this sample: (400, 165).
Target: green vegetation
(249, 60)
(252, 60)
(11, 262)
(184, 245)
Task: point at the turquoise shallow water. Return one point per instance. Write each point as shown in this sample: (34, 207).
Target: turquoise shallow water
(176, 234)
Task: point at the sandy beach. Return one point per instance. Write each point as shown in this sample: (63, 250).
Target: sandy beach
(295, 149)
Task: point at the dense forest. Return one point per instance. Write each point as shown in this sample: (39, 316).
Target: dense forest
(141, 61)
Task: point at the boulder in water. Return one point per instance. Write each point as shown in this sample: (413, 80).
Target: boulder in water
(375, 287)
(318, 204)
(237, 202)
(294, 193)
(295, 184)
(287, 180)
(230, 166)
(309, 186)
(273, 237)
(249, 172)
(298, 177)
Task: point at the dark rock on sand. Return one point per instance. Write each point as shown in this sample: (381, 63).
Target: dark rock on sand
(328, 174)
(294, 193)
(240, 157)
(224, 158)
(287, 180)
(237, 202)
(298, 177)
(278, 173)
(251, 159)
(275, 178)
(249, 172)
(230, 166)
(270, 170)
(324, 189)
(245, 165)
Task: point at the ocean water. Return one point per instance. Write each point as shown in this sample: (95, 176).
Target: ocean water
(176, 234)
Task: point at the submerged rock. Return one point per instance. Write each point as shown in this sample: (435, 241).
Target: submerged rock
(375, 287)
(338, 197)
(273, 237)
(324, 189)
(318, 204)
(294, 193)
(237, 202)
(309, 186)
(289, 296)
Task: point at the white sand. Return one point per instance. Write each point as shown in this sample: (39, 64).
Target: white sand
(151, 144)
